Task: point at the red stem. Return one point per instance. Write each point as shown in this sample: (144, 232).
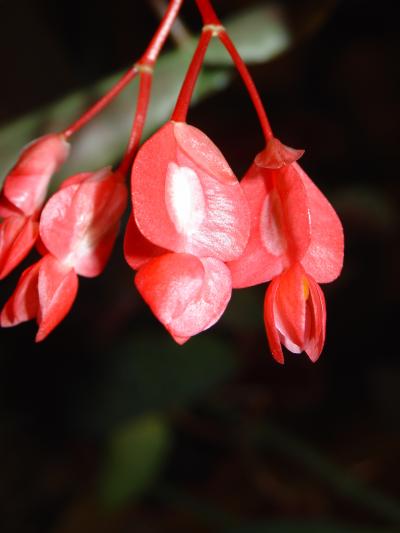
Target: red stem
(207, 12)
(210, 17)
(101, 103)
(148, 58)
(249, 83)
(146, 78)
(185, 95)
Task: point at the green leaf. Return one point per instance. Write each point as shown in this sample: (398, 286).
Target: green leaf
(136, 454)
(260, 34)
(150, 374)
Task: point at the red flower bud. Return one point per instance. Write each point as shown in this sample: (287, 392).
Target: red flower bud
(22, 197)
(25, 187)
(45, 291)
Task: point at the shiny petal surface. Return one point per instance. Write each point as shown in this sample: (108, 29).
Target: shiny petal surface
(17, 237)
(57, 289)
(324, 257)
(79, 223)
(26, 184)
(186, 198)
(187, 294)
(137, 249)
(24, 303)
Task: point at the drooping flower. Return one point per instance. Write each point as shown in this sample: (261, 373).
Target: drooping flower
(295, 314)
(293, 228)
(78, 228)
(190, 217)
(22, 197)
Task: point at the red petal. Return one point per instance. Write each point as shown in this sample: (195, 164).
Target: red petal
(276, 155)
(324, 257)
(203, 152)
(258, 263)
(137, 249)
(294, 212)
(269, 320)
(76, 179)
(187, 199)
(79, 223)
(290, 306)
(23, 304)
(26, 184)
(17, 237)
(316, 339)
(7, 209)
(57, 288)
(187, 294)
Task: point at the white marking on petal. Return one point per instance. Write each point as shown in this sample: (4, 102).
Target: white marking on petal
(184, 198)
(271, 230)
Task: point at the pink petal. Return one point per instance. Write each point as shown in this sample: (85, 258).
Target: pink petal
(137, 249)
(187, 199)
(26, 184)
(24, 303)
(324, 257)
(187, 294)
(17, 237)
(57, 289)
(80, 222)
(269, 320)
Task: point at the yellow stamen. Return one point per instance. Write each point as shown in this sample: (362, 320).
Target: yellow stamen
(306, 288)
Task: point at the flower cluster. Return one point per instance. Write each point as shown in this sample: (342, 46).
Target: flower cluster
(195, 232)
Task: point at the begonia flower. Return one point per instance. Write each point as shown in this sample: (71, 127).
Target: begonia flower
(22, 197)
(190, 217)
(295, 314)
(292, 223)
(78, 228)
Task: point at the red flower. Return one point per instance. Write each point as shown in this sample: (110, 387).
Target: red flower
(293, 229)
(22, 197)
(191, 217)
(78, 228)
(295, 314)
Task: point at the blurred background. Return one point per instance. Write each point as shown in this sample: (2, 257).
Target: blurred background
(108, 426)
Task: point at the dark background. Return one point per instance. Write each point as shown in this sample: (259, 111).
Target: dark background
(251, 442)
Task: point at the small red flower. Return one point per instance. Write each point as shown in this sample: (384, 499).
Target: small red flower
(190, 217)
(23, 194)
(293, 228)
(78, 228)
(295, 314)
